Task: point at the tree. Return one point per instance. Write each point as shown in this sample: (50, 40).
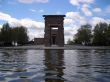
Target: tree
(83, 36)
(23, 33)
(6, 34)
(107, 35)
(20, 35)
(100, 34)
(15, 34)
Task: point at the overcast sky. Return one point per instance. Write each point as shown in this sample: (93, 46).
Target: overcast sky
(29, 14)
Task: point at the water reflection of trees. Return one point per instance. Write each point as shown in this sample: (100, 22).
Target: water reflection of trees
(54, 65)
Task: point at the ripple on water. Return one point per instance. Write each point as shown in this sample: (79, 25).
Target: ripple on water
(55, 66)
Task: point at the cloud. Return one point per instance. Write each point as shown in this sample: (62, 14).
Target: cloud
(41, 11)
(96, 20)
(75, 17)
(74, 2)
(87, 1)
(4, 16)
(68, 21)
(35, 34)
(32, 1)
(14, 22)
(26, 1)
(31, 23)
(79, 2)
(70, 32)
(33, 10)
(83, 5)
(35, 28)
(25, 21)
(32, 26)
(8, 18)
(0, 26)
(73, 21)
(97, 10)
(85, 10)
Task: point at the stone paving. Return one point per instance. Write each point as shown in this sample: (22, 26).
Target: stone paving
(66, 47)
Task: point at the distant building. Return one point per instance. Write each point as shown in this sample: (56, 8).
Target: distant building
(39, 41)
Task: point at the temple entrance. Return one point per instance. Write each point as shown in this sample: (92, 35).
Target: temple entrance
(54, 31)
(53, 39)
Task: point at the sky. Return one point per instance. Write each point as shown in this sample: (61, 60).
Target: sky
(29, 13)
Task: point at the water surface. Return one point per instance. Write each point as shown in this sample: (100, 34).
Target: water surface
(54, 65)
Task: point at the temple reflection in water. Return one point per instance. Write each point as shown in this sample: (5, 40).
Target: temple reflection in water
(54, 65)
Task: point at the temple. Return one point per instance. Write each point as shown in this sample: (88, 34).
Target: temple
(54, 30)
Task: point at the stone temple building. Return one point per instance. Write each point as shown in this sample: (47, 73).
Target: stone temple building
(54, 31)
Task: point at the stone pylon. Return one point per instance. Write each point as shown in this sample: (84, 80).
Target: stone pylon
(54, 30)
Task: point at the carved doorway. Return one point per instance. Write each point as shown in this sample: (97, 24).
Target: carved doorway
(54, 39)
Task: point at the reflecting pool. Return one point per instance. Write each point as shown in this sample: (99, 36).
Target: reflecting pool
(54, 65)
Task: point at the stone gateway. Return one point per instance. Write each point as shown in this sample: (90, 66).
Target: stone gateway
(54, 30)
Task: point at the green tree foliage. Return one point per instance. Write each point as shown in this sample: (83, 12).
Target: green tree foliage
(5, 35)
(20, 35)
(15, 34)
(107, 35)
(101, 34)
(83, 35)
